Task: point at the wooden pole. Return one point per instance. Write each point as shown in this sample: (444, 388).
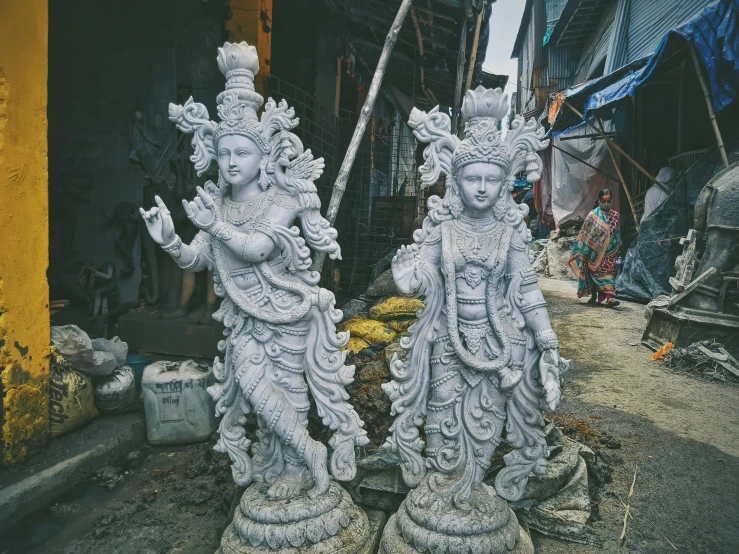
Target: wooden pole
(473, 54)
(419, 38)
(337, 92)
(620, 150)
(364, 116)
(457, 108)
(583, 162)
(707, 96)
(621, 177)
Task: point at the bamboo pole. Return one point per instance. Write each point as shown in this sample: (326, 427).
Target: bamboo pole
(621, 177)
(473, 54)
(583, 162)
(364, 116)
(419, 38)
(457, 107)
(626, 188)
(709, 105)
(618, 148)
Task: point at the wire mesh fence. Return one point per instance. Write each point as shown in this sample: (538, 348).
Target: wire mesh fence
(381, 202)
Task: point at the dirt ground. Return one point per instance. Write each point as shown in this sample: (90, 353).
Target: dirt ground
(677, 431)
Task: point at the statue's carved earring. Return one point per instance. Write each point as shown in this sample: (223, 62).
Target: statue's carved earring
(456, 206)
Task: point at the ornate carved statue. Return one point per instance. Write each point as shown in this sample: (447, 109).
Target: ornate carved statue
(281, 338)
(483, 356)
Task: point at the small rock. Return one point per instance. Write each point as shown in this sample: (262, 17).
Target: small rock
(100, 532)
(133, 458)
(149, 496)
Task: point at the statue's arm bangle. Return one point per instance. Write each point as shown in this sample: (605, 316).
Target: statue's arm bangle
(174, 248)
(531, 307)
(546, 340)
(221, 231)
(529, 277)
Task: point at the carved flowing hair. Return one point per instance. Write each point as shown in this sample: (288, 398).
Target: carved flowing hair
(237, 109)
(446, 154)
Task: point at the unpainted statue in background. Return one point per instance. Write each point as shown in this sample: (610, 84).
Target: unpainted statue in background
(281, 338)
(482, 357)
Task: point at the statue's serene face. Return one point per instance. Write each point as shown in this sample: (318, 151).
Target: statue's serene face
(238, 159)
(480, 185)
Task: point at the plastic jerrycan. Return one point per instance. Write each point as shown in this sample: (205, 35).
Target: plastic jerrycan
(178, 408)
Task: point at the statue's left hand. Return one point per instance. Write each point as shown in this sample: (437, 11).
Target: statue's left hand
(202, 210)
(550, 379)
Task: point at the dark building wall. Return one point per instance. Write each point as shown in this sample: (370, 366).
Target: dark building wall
(108, 60)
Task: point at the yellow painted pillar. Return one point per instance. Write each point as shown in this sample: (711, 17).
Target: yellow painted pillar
(248, 22)
(24, 228)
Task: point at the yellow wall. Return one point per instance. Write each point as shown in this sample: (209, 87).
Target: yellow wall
(24, 226)
(245, 24)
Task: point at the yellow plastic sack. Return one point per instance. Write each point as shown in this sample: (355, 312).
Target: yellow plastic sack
(395, 307)
(401, 325)
(71, 398)
(355, 345)
(367, 329)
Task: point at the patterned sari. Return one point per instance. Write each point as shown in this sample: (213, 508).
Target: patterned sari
(594, 254)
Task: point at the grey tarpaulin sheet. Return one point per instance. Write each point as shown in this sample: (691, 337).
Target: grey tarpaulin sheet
(574, 185)
(649, 264)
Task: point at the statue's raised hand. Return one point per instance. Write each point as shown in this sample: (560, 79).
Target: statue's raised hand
(202, 210)
(405, 266)
(159, 223)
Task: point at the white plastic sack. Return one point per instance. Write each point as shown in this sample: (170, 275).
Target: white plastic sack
(115, 346)
(75, 345)
(72, 343)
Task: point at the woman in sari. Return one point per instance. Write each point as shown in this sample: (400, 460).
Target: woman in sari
(595, 251)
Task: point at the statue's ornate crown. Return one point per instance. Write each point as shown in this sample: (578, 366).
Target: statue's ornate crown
(483, 109)
(237, 109)
(238, 104)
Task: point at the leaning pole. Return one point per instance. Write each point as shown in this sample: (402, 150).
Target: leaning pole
(364, 116)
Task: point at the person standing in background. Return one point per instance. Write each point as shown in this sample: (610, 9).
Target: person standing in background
(595, 252)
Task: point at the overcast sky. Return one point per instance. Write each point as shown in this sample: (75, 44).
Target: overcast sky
(505, 19)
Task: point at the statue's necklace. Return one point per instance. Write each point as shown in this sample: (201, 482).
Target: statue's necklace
(476, 239)
(239, 213)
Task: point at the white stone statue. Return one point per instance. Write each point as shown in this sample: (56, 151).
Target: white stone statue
(281, 339)
(482, 357)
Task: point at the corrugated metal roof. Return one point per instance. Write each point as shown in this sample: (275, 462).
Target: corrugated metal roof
(650, 20)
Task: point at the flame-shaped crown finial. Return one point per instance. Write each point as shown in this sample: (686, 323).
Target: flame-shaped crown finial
(484, 103)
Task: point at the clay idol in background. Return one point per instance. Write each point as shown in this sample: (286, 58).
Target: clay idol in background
(281, 338)
(483, 356)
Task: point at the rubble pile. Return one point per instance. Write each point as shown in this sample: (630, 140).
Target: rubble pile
(707, 359)
(553, 260)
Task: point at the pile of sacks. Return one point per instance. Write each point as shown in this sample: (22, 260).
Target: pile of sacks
(88, 376)
(377, 321)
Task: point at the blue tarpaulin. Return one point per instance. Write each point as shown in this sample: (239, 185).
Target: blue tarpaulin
(715, 35)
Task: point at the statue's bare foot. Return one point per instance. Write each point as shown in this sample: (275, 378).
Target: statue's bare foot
(290, 484)
(317, 464)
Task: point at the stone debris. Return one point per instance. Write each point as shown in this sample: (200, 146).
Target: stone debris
(707, 359)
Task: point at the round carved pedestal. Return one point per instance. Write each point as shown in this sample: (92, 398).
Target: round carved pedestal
(330, 524)
(428, 522)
